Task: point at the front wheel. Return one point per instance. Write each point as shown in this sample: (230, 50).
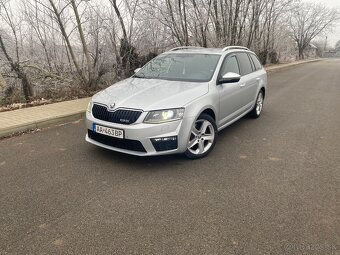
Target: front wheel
(257, 109)
(202, 137)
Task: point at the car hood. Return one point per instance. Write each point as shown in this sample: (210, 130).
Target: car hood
(151, 94)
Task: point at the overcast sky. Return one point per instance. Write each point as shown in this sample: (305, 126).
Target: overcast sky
(335, 35)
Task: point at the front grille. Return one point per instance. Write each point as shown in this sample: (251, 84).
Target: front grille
(126, 144)
(119, 116)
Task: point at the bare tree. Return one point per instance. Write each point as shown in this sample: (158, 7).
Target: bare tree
(309, 20)
(2, 82)
(58, 15)
(337, 45)
(90, 67)
(201, 21)
(14, 62)
(128, 56)
(37, 22)
(46, 42)
(91, 74)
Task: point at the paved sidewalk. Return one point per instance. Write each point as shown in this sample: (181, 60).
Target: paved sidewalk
(41, 116)
(21, 120)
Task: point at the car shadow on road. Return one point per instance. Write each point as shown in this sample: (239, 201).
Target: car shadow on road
(131, 159)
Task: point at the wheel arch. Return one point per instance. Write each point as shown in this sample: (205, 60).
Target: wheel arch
(209, 111)
(263, 89)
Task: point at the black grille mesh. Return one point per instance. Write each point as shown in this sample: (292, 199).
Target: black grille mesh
(165, 145)
(126, 144)
(119, 116)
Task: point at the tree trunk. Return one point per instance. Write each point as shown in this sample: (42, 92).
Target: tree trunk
(126, 49)
(26, 84)
(301, 54)
(217, 22)
(68, 43)
(90, 68)
(2, 82)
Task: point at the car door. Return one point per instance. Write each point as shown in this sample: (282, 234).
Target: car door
(249, 81)
(230, 94)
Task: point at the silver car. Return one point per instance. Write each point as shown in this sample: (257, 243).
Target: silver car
(178, 102)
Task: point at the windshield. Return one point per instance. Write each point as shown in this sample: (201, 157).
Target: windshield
(180, 67)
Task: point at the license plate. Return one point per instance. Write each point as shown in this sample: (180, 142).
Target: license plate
(118, 133)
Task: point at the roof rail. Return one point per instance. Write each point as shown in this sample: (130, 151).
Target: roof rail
(234, 48)
(185, 47)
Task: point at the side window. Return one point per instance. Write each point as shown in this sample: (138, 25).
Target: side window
(256, 62)
(245, 64)
(230, 65)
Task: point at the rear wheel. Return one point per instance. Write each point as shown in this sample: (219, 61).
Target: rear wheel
(202, 137)
(257, 109)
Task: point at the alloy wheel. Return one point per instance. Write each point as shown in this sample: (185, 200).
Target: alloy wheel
(259, 103)
(202, 137)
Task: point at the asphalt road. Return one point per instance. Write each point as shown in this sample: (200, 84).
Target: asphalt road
(271, 185)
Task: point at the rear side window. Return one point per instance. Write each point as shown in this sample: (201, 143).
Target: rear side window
(230, 65)
(256, 62)
(245, 64)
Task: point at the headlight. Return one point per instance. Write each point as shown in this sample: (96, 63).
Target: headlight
(161, 116)
(89, 106)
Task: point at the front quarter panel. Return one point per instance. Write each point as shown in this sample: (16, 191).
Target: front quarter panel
(207, 101)
(196, 107)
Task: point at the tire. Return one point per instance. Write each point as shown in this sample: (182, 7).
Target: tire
(257, 109)
(202, 137)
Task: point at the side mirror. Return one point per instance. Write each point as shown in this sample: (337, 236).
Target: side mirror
(137, 70)
(229, 78)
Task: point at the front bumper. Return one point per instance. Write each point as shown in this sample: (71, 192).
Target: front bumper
(143, 133)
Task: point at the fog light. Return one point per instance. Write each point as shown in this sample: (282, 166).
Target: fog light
(165, 143)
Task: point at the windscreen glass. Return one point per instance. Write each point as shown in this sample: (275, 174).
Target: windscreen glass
(180, 67)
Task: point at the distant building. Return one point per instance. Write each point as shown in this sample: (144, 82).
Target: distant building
(331, 54)
(311, 51)
(289, 52)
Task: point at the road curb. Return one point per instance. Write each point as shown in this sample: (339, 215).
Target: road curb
(272, 69)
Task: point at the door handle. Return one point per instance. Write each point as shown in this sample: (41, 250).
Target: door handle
(258, 79)
(242, 85)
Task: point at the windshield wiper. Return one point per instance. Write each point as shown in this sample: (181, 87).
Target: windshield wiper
(141, 77)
